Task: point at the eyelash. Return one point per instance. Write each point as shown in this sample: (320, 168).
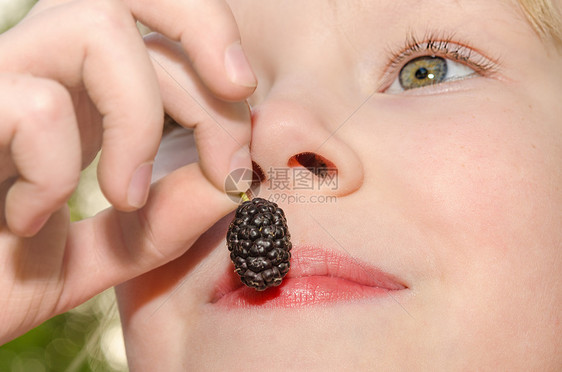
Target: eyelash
(440, 46)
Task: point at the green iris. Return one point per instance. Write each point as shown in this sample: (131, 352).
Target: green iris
(423, 71)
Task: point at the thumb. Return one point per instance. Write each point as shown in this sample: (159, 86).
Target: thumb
(116, 246)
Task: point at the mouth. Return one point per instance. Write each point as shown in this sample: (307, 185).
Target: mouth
(317, 277)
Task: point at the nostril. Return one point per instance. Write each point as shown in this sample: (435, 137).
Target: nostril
(317, 164)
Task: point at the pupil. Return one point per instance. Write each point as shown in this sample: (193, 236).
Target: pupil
(421, 73)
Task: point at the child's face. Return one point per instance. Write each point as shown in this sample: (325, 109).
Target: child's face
(454, 190)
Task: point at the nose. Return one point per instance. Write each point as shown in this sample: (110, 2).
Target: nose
(298, 149)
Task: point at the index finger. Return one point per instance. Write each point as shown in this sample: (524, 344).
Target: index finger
(112, 66)
(113, 247)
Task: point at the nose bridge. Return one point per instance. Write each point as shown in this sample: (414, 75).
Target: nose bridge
(286, 42)
(319, 67)
(305, 102)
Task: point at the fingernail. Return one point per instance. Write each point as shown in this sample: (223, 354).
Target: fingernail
(140, 185)
(37, 225)
(237, 66)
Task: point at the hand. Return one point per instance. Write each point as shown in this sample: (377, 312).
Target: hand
(75, 76)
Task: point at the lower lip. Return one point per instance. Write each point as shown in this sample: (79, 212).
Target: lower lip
(302, 292)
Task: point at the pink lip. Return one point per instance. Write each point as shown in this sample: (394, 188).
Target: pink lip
(316, 277)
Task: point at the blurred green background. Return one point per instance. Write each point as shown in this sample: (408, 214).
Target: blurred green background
(87, 338)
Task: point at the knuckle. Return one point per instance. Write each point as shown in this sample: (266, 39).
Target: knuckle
(47, 101)
(58, 190)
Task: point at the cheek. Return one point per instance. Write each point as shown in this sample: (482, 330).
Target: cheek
(493, 177)
(476, 174)
(482, 183)
(490, 196)
(488, 173)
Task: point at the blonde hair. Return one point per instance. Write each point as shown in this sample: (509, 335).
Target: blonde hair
(545, 17)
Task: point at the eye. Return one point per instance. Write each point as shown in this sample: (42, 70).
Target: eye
(428, 70)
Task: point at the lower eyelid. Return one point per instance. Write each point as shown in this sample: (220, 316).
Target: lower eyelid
(451, 86)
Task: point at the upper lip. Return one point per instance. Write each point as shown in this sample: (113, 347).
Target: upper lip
(313, 261)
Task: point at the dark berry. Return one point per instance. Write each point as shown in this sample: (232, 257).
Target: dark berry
(259, 243)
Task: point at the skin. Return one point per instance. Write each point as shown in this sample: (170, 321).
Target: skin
(62, 98)
(457, 188)
(460, 182)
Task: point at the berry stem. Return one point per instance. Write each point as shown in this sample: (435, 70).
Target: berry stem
(244, 197)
